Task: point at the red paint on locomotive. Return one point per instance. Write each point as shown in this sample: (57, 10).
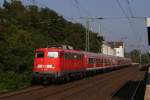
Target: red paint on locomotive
(57, 62)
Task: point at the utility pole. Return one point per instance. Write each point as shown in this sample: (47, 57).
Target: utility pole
(140, 56)
(87, 44)
(87, 40)
(99, 28)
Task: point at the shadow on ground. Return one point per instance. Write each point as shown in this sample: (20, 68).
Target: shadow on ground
(127, 92)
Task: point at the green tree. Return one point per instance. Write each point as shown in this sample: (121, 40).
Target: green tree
(24, 28)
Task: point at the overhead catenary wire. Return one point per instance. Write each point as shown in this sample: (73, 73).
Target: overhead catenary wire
(129, 8)
(75, 4)
(122, 9)
(71, 13)
(35, 2)
(126, 15)
(88, 27)
(79, 6)
(132, 15)
(132, 25)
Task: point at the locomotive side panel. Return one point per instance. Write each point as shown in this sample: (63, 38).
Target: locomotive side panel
(73, 61)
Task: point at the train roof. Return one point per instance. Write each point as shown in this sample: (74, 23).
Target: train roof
(81, 52)
(104, 55)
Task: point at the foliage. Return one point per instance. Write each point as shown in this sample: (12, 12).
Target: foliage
(10, 80)
(145, 58)
(136, 56)
(24, 28)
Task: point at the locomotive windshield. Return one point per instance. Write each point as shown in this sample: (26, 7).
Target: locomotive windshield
(39, 54)
(52, 54)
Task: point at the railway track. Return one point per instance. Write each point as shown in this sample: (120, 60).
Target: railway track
(54, 89)
(107, 88)
(75, 90)
(5, 92)
(92, 85)
(23, 91)
(68, 92)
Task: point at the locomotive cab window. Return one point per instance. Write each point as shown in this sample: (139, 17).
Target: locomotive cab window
(39, 54)
(52, 54)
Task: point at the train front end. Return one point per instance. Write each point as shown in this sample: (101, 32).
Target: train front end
(46, 65)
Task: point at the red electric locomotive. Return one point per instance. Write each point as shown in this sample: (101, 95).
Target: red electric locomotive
(61, 62)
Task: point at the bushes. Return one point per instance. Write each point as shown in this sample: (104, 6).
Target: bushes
(23, 28)
(12, 81)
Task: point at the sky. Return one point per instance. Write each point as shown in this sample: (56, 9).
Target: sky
(117, 24)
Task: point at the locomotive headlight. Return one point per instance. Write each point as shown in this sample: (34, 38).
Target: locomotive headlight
(39, 66)
(50, 66)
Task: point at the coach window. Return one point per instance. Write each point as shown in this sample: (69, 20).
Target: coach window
(98, 61)
(91, 60)
(73, 56)
(66, 55)
(104, 60)
(78, 56)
